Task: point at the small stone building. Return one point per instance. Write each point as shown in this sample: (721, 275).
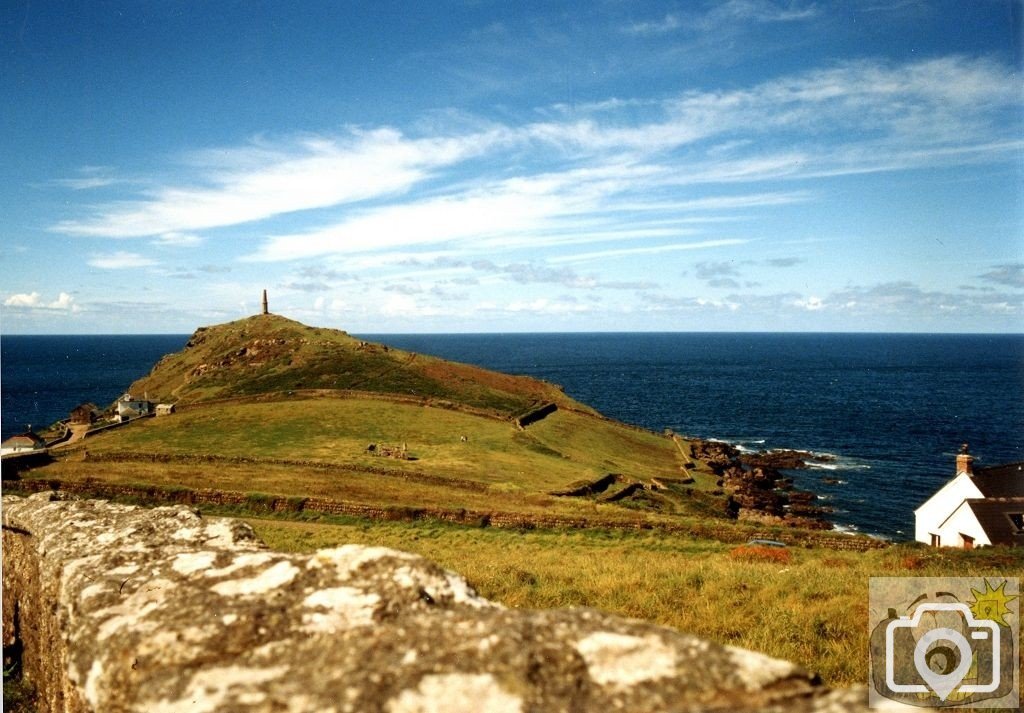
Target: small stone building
(164, 409)
(87, 413)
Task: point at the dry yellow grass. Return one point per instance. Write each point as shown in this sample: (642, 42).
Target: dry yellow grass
(812, 610)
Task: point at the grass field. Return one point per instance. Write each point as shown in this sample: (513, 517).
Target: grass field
(563, 448)
(348, 486)
(811, 609)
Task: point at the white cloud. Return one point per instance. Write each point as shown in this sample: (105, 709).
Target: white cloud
(811, 304)
(63, 301)
(543, 305)
(120, 261)
(401, 306)
(22, 300)
(762, 11)
(508, 208)
(81, 184)
(583, 179)
(89, 177)
(178, 240)
(253, 183)
(33, 300)
(651, 250)
(655, 27)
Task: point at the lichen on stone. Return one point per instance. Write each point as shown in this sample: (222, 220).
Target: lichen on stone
(178, 612)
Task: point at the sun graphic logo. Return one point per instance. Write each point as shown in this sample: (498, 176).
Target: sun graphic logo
(944, 642)
(991, 604)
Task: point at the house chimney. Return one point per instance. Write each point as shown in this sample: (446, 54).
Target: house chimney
(964, 461)
(265, 310)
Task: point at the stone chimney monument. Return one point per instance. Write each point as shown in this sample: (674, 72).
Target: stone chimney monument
(265, 310)
(964, 461)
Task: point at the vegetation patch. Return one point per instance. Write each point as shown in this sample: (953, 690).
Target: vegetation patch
(758, 553)
(784, 609)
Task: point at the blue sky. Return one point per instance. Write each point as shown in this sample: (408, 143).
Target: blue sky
(490, 166)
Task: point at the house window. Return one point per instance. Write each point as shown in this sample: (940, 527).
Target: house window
(1017, 518)
(936, 541)
(968, 541)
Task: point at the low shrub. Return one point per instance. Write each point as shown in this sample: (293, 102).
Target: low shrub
(759, 553)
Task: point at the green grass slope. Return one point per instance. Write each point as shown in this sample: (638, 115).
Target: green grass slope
(565, 447)
(267, 354)
(317, 447)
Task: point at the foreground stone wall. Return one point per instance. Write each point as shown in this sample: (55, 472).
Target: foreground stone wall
(119, 608)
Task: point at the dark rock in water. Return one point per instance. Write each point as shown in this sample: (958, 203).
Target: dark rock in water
(783, 459)
(716, 455)
(119, 608)
(757, 491)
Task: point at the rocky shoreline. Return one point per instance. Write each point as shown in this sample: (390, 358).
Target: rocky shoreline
(757, 491)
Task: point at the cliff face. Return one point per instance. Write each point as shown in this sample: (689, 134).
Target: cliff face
(116, 608)
(270, 354)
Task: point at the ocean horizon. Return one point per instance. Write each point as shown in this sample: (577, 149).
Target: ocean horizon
(891, 408)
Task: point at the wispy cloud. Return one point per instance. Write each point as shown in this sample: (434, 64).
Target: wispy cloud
(120, 261)
(761, 11)
(624, 173)
(534, 273)
(650, 250)
(248, 184)
(89, 177)
(783, 261)
(723, 14)
(1011, 274)
(84, 183)
(897, 298)
(654, 27)
(178, 240)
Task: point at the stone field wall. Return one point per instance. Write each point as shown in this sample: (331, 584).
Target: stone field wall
(722, 531)
(117, 608)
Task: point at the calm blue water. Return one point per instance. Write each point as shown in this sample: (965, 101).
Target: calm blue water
(43, 377)
(892, 408)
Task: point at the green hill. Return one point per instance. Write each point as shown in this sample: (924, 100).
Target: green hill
(269, 354)
(272, 407)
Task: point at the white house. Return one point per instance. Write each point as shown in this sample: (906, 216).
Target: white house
(975, 508)
(22, 443)
(129, 408)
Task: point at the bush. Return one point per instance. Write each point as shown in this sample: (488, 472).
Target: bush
(758, 553)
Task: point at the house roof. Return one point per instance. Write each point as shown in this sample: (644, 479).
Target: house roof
(1001, 481)
(27, 437)
(993, 515)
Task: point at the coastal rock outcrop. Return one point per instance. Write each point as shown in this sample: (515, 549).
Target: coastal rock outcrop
(116, 608)
(758, 492)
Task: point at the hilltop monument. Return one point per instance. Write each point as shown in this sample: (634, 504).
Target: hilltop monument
(265, 310)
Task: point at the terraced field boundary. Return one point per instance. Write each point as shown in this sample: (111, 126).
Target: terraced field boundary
(265, 503)
(302, 394)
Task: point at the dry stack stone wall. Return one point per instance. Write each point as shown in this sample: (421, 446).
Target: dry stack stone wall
(119, 608)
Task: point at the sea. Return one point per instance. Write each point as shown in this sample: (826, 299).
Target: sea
(890, 409)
